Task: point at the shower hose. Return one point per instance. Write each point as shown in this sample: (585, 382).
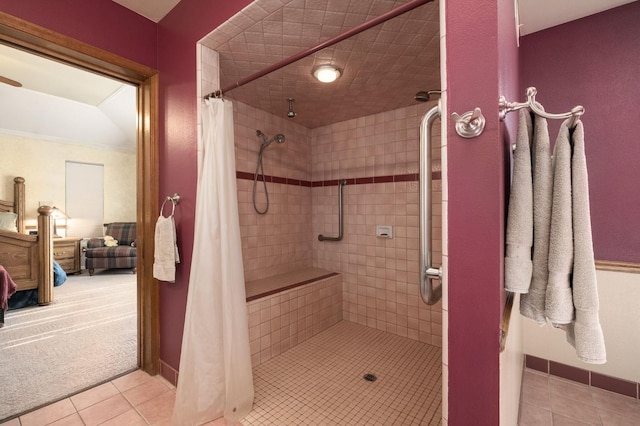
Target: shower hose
(260, 168)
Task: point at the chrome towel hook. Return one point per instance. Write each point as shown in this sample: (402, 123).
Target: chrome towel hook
(470, 124)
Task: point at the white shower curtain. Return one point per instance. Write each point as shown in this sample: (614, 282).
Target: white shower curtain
(215, 376)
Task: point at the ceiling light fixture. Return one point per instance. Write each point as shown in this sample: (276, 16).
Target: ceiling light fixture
(327, 73)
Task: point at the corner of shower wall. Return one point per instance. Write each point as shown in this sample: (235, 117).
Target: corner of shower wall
(207, 80)
(208, 70)
(378, 155)
(279, 241)
(444, 212)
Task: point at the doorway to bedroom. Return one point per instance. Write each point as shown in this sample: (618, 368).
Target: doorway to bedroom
(94, 329)
(81, 145)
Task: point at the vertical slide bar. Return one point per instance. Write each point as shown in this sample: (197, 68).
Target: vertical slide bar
(427, 273)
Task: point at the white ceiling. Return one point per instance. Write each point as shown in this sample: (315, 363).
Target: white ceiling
(66, 104)
(43, 75)
(153, 10)
(536, 15)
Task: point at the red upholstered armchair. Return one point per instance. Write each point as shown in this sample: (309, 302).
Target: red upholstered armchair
(100, 256)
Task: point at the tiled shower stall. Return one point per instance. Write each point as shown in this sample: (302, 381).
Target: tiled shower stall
(378, 156)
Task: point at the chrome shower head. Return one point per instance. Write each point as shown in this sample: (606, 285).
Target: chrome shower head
(424, 96)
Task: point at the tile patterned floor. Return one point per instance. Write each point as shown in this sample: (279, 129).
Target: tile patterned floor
(133, 399)
(319, 382)
(550, 401)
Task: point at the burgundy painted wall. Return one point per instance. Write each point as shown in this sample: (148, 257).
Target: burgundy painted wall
(100, 23)
(594, 62)
(178, 34)
(481, 64)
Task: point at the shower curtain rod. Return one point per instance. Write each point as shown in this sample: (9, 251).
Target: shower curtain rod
(330, 42)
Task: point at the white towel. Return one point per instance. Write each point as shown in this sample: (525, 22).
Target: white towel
(166, 250)
(519, 238)
(559, 303)
(585, 333)
(532, 303)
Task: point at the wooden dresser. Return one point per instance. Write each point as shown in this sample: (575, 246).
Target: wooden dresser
(66, 251)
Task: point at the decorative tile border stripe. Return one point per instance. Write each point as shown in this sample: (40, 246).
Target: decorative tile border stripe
(586, 377)
(409, 177)
(290, 286)
(274, 179)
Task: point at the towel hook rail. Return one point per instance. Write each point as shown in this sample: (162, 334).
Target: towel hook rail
(505, 107)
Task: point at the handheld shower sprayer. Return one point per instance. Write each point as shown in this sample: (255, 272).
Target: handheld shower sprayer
(264, 137)
(279, 138)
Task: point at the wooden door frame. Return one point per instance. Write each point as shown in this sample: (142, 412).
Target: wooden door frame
(35, 39)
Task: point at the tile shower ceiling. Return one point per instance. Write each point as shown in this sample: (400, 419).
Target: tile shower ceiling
(382, 68)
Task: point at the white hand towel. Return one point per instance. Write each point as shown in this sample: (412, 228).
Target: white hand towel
(532, 303)
(559, 303)
(166, 250)
(585, 333)
(519, 237)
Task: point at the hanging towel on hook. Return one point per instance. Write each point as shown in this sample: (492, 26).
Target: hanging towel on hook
(519, 238)
(532, 303)
(166, 249)
(585, 332)
(558, 303)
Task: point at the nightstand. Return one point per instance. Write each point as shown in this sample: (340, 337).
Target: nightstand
(66, 251)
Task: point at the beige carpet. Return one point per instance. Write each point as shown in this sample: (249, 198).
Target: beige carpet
(87, 336)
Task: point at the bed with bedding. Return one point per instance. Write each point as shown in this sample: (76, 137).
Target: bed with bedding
(28, 259)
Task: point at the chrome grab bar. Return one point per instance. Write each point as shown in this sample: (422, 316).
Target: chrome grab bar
(427, 273)
(321, 237)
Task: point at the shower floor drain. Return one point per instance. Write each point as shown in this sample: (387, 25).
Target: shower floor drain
(370, 377)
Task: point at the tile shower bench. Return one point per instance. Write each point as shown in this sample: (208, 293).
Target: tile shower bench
(287, 309)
